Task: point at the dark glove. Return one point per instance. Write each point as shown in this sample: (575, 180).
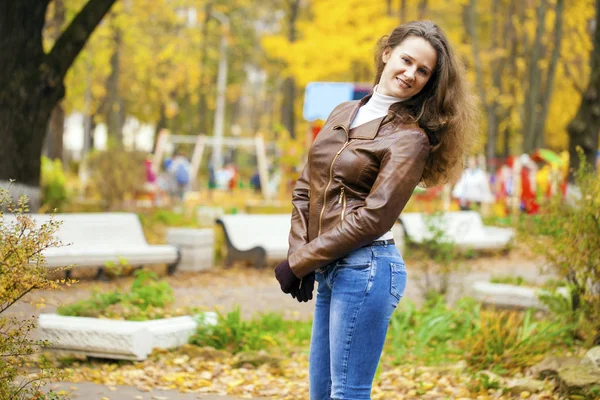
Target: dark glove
(304, 291)
(285, 276)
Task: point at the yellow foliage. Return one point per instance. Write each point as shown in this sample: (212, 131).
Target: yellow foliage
(22, 270)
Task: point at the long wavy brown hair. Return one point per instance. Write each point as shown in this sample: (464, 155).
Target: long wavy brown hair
(445, 108)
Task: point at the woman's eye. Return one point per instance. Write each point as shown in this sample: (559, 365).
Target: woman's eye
(406, 60)
(423, 72)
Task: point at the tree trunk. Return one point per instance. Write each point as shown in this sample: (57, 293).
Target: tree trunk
(583, 130)
(289, 86)
(54, 137)
(402, 11)
(422, 9)
(202, 103)
(56, 128)
(115, 113)
(547, 94)
(470, 17)
(32, 81)
(532, 110)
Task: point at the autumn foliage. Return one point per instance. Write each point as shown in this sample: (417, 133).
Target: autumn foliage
(22, 270)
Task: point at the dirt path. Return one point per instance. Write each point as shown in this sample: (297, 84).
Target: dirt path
(256, 291)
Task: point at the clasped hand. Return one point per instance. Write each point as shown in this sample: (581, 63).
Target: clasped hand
(300, 288)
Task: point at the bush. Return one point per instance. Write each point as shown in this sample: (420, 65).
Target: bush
(23, 270)
(117, 175)
(53, 184)
(503, 341)
(234, 334)
(148, 298)
(509, 340)
(567, 234)
(430, 334)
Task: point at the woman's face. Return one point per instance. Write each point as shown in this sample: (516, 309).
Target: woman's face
(408, 67)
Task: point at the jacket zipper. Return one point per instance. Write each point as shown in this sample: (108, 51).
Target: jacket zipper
(342, 200)
(331, 179)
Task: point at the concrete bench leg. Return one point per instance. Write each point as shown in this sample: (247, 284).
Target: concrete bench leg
(171, 268)
(257, 256)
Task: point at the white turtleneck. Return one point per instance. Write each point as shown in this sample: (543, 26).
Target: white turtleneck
(377, 107)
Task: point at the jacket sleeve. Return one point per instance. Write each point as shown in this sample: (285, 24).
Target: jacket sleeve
(400, 171)
(300, 200)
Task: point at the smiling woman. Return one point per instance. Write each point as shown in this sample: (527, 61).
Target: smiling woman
(362, 168)
(408, 68)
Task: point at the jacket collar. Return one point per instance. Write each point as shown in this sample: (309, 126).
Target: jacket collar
(367, 130)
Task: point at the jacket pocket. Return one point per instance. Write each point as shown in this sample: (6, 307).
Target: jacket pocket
(342, 201)
(397, 280)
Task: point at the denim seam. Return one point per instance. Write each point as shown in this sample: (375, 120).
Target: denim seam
(350, 336)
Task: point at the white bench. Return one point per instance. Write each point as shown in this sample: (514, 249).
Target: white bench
(256, 237)
(262, 237)
(463, 228)
(94, 239)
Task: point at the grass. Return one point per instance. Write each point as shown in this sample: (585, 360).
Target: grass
(487, 339)
(267, 331)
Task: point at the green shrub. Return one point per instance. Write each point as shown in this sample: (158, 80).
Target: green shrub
(486, 339)
(510, 340)
(567, 234)
(117, 175)
(510, 280)
(266, 331)
(53, 184)
(148, 298)
(23, 270)
(429, 334)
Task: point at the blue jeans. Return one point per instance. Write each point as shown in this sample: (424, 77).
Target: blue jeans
(355, 300)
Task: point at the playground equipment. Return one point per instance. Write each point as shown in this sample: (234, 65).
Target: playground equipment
(201, 141)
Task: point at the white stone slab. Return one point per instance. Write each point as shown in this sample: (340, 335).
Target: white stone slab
(505, 295)
(129, 340)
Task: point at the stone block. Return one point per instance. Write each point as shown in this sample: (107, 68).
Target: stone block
(511, 296)
(196, 247)
(127, 340)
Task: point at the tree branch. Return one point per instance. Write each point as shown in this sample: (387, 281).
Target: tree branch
(71, 42)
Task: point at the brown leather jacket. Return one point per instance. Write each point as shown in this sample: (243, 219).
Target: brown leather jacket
(354, 186)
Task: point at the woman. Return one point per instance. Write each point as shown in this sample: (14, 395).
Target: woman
(362, 168)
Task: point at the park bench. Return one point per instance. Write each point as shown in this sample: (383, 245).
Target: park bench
(463, 228)
(258, 238)
(95, 239)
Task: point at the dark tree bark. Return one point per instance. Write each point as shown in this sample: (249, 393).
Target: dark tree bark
(56, 128)
(289, 85)
(54, 137)
(584, 128)
(32, 81)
